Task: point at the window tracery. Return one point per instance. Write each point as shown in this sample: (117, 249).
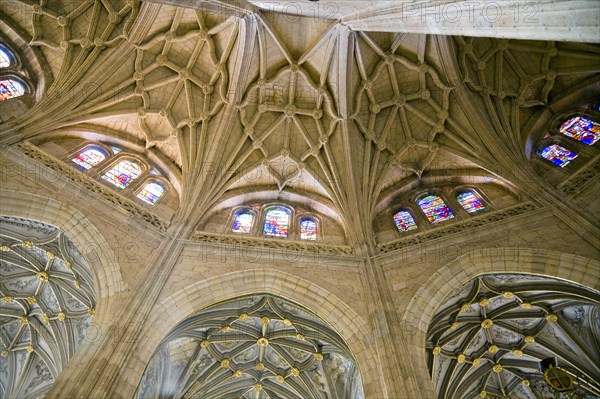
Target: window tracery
(243, 222)
(277, 221)
(12, 81)
(435, 209)
(10, 88)
(470, 201)
(89, 158)
(122, 171)
(404, 221)
(151, 192)
(4, 59)
(581, 129)
(308, 229)
(558, 155)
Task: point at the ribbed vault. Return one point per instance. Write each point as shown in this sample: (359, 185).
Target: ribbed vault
(48, 299)
(488, 338)
(253, 347)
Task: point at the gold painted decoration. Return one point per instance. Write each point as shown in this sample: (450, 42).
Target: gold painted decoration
(318, 356)
(437, 350)
(243, 317)
(552, 317)
(526, 305)
(280, 378)
(260, 366)
(238, 374)
(61, 316)
(263, 342)
(295, 372)
(461, 358)
(487, 323)
(529, 339)
(225, 363)
(493, 349)
(8, 299)
(32, 300)
(42, 276)
(497, 368)
(484, 302)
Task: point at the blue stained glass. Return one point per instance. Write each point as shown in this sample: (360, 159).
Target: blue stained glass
(470, 202)
(404, 221)
(10, 89)
(123, 173)
(277, 221)
(581, 129)
(308, 229)
(89, 158)
(243, 222)
(435, 209)
(558, 155)
(4, 59)
(151, 193)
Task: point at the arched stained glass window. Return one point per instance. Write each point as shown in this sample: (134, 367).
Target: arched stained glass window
(10, 89)
(435, 209)
(470, 201)
(277, 221)
(4, 59)
(308, 229)
(558, 155)
(89, 158)
(404, 221)
(123, 173)
(581, 129)
(242, 223)
(151, 193)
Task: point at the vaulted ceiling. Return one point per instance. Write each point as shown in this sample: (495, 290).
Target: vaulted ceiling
(340, 116)
(255, 347)
(490, 336)
(48, 299)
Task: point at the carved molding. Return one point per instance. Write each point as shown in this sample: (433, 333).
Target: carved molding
(77, 176)
(273, 243)
(576, 182)
(481, 220)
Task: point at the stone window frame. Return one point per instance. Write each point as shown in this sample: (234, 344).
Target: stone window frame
(293, 229)
(114, 157)
(554, 136)
(309, 216)
(15, 71)
(233, 215)
(482, 197)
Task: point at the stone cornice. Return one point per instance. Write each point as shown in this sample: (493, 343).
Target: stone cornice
(77, 176)
(269, 243)
(455, 228)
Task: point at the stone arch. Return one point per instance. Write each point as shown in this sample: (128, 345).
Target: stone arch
(86, 237)
(431, 295)
(353, 328)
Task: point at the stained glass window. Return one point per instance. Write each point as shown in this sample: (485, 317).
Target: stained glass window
(242, 223)
(277, 221)
(4, 59)
(582, 129)
(308, 229)
(470, 201)
(10, 89)
(404, 221)
(89, 158)
(151, 193)
(123, 173)
(558, 155)
(435, 209)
